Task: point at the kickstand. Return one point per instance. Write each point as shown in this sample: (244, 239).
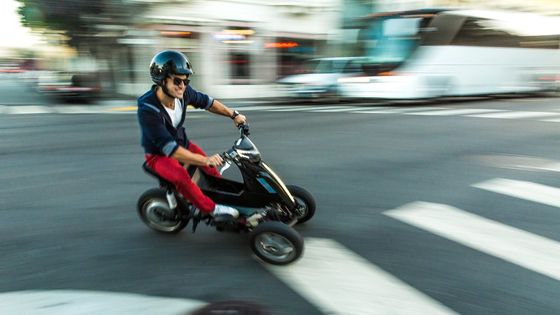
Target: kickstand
(197, 217)
(195, 221)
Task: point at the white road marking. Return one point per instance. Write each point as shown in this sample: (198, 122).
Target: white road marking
(74, 109)
(300, 108)
(515, 115)
(524, 190)
(18, 110)
(338, 281)
(341, 109)
(400, 110)
(528, 250)
(256, 107)
(59, 302)
(551, 120)
(527, 163)
(449, 112)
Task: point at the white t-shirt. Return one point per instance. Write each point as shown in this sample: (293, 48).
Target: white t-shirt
(176, 113)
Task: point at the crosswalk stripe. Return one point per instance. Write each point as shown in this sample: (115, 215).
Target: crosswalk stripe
(449, 112)
(37, 302)
(524, 190)
(400, 110)
(515, 115)
(338, 281)
(525, 249)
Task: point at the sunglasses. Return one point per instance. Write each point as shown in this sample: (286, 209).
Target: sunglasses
(178, 81)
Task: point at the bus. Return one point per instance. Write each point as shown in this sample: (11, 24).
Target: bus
(450, 52)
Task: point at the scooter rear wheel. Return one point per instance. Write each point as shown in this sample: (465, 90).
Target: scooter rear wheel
(155, 212)
(276, 243)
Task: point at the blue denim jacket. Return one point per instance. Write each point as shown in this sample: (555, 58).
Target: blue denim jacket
(158, 134)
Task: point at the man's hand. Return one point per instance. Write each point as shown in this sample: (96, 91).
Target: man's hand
(214, 160)
(239, 120)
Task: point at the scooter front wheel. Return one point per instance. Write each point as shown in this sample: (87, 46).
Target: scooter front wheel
(276, 243)
(305, 201)
(155, 212)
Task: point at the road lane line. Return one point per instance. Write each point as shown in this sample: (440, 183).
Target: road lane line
(302, 108)
(58, 302)
(515, 115)
(342, 109)
(551, 120)
(463, 111)
(524, 190)
(73, 109)
(338, 281)
(18, 110)
(519, 162)
(400, 110)
(516, 246)
(256, 107)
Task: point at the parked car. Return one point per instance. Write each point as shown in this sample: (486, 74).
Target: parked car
(320, 79)
(74, 79)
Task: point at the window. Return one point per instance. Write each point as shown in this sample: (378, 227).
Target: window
(353, 66)
(482, 32)
(239, 67)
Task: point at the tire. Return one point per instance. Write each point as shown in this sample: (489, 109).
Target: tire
(306, 200)
(152, 205)
(276, 243)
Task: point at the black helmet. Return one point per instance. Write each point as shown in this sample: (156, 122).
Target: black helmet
(169, 62)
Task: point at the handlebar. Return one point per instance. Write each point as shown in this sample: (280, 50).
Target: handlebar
(243, 129)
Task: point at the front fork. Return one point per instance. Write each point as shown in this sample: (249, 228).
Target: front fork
(171, 200)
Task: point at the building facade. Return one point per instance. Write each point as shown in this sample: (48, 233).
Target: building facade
(238, 48)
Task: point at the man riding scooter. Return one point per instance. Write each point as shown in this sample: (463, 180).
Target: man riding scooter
(161, 114)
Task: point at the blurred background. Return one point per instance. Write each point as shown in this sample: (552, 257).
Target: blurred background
(71, 171)
(239, 49)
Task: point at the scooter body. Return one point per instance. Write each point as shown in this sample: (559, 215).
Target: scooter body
(261, 187)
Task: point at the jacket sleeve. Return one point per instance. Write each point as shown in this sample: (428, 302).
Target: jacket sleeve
(154, 131)
(197, 99)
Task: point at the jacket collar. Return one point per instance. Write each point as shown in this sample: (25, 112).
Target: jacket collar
(162, 109)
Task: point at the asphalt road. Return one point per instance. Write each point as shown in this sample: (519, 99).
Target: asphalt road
(70, 185)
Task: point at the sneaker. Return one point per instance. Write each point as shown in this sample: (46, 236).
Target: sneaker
(221, 209)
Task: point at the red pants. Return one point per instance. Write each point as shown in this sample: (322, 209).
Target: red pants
(174, 172)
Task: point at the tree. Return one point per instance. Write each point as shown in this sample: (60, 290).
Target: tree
(80, 20)
(92, 26)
